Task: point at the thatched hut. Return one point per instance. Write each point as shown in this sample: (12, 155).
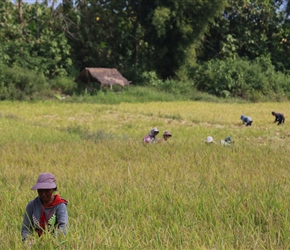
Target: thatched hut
(103, 76)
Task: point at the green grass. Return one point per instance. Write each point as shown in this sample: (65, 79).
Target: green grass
(146, 94)
(123, 195)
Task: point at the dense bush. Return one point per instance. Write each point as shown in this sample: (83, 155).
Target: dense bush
(64, 85)
(22, 84)
(253, 81)
(171, 86)
(217, 80)
(150, 78)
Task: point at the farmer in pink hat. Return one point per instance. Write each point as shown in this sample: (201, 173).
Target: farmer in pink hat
(47, 212)
(166, 136)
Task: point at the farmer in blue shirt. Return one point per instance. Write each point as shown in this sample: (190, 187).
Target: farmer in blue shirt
(246, 120)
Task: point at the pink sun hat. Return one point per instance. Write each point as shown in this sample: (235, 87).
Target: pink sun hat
(45, 181)
(167, 133)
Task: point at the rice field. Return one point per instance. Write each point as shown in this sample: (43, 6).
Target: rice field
(183, 194)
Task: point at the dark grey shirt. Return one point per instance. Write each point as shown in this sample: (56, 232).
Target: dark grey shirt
(33, 212)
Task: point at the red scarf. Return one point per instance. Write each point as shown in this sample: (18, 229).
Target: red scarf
(43, 219)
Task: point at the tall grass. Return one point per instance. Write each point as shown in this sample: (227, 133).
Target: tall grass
(183, 194)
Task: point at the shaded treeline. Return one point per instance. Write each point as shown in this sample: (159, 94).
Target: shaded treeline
(175, 39)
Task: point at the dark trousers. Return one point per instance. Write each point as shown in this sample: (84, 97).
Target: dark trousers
(280, 121)
(249, 123)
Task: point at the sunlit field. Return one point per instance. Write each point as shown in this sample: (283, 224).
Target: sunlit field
(183, 194)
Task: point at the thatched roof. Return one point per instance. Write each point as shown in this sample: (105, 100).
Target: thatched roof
(105, 76)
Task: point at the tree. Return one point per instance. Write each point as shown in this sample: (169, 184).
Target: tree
(34, 44)
(247, 28)
(173, 28)
(140, 34)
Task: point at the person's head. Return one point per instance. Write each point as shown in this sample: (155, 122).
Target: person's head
(154, 132)
(273, 113)
(242, 117)
(166, 135)
(45, 186)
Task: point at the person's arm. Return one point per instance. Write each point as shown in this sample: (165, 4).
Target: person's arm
(27, 227)
(62, 218)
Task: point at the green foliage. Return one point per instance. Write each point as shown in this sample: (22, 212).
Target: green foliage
(34, 43)
(135, 75)
(22, 84)
(160, 20)
(175, 87)
(134, 94)
(151, 35)
(241, 78)
(181, 88)
(172, 28)
(249, 29)
(65, 85)
(163, 39)
(105, 35)
(151, 79)
(138, 94)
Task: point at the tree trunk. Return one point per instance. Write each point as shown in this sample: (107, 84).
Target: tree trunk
(52, 10)
(37, 25)
(20, 12)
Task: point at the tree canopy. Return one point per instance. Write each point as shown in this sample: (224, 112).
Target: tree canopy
(59, 38)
